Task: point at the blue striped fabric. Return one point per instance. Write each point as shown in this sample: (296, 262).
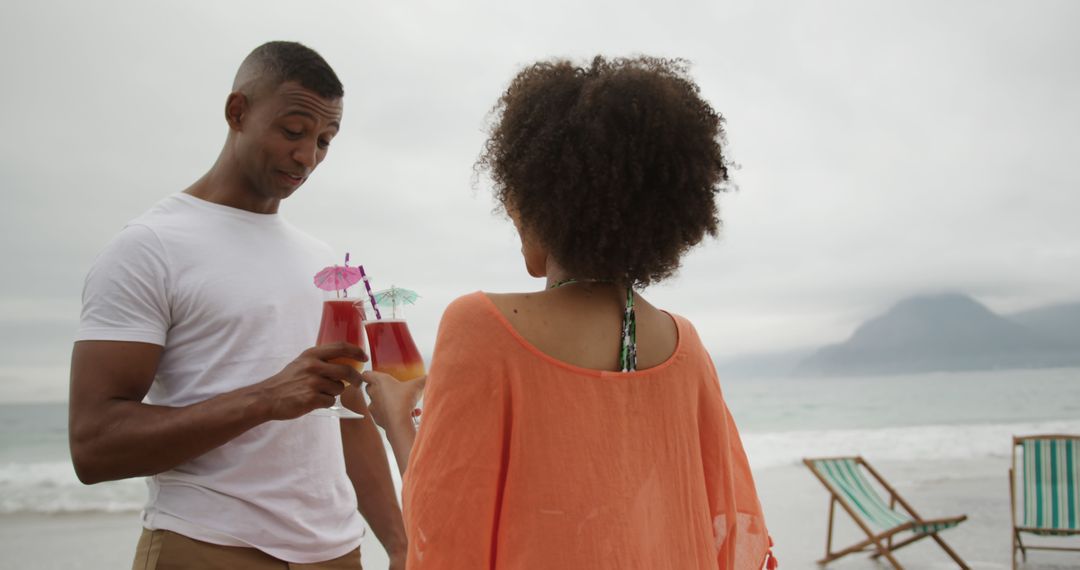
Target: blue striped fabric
(847, 480)
(1051, 483)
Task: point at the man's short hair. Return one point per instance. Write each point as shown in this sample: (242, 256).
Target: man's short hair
(274, 63)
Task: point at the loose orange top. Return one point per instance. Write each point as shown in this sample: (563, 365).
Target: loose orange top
(526, 462)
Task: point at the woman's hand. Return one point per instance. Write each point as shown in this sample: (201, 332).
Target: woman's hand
(392, 401)
(392, 405)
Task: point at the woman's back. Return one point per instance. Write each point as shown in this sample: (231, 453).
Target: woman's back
(528, 461)
(581, 323)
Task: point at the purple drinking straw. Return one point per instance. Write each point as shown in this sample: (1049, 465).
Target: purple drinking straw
(374, 305)
(344, 274)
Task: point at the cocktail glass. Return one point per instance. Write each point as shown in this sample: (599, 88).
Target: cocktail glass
(393, 350)
(342, 321)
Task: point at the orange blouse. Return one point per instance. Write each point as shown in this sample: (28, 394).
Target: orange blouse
(526, 462)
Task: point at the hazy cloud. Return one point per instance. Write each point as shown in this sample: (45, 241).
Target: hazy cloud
(886, 148)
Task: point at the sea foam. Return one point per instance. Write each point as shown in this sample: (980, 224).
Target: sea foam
(52, 487)
(913, 443)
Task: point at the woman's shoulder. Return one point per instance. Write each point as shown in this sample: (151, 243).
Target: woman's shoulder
(465, 304)
(470, 342)
(474, 313)
(685, 326)
(507, 302)
(467, 310)
(689, 341)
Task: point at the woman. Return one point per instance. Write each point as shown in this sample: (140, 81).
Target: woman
(580, 426)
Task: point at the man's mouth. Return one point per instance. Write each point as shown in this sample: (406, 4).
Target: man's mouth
(293, 179)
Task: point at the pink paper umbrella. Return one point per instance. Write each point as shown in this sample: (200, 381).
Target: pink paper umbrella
(338, 277)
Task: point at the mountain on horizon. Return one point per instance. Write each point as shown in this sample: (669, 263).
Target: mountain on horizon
(1057, 322)
(951, 332)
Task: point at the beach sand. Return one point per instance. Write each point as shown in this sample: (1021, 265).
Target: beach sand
(796, 507)
(96, 541)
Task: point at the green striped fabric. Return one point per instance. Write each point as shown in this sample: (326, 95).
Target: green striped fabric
(1051, 482)
(848, 481)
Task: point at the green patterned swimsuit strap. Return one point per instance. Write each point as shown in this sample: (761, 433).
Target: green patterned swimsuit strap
(628, 341)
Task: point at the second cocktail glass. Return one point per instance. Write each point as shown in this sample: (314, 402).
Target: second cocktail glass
(393, 350)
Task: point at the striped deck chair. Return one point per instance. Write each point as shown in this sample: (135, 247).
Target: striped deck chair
(882, 522)
(1050, 483)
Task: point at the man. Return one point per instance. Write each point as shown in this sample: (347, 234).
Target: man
(193, 349)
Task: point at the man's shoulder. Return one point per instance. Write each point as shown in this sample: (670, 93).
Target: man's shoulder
(166, 213)
(308, 240)
(147, 235)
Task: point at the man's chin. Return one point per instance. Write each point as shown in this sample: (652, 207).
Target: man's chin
(280, 192)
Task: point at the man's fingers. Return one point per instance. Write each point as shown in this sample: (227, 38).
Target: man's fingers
(336, 370)
(331, 351)
(330, 386)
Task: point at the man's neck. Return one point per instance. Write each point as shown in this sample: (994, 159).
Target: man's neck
(222, 185)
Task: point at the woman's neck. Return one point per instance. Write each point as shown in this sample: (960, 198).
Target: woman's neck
(555, 274)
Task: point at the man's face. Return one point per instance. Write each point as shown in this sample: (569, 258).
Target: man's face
(285, 135)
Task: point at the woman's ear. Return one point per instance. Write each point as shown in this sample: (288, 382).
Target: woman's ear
(536, 256)
(532, 251)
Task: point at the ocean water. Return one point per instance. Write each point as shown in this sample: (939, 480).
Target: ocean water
(953, 416)
(939, 416)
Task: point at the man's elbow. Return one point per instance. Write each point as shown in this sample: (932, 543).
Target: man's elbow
(87, 469)
(87, 458)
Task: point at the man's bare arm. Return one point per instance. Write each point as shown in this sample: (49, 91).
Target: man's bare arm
(113, 435)
(369, 471)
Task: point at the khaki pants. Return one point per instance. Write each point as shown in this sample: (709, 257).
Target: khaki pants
(167, 550)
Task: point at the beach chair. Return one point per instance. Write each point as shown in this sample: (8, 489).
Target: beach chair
(1050, 482)
(882, 522)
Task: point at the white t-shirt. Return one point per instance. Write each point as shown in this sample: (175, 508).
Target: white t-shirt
(229, 295)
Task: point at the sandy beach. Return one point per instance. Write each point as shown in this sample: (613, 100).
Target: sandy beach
(795, 505)
(96, 541)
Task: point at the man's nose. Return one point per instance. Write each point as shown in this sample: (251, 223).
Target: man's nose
(305, 153)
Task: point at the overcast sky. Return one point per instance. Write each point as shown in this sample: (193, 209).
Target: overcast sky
(886, 149)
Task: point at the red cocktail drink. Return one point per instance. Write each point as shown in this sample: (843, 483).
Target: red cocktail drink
(393, 350)
(343, 321)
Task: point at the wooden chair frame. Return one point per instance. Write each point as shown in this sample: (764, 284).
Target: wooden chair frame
(881, 544)
(1017, 539)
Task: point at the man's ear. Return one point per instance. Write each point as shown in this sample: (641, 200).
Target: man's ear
(236, 108)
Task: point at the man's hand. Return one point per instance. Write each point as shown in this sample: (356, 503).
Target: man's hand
(311, 381)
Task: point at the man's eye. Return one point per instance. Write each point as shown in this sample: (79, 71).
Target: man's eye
(323, 143)
(291, 134)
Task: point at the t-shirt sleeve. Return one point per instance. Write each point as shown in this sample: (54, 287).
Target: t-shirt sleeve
(453, 486)
(125, 296)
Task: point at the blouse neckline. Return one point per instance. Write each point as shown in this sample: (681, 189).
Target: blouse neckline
(614, 374)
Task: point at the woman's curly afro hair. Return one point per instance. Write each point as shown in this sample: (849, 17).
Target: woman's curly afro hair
(614, 167)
